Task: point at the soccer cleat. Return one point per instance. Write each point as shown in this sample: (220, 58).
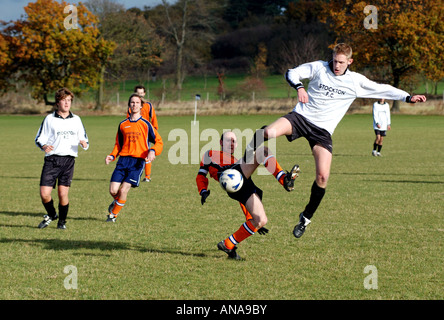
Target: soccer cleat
(374, 153)
(299, 229)
(232, 254)
(110, 207)
(146, 180)
(61, 224)
(378, 154)
(46, 221)
(111, 218)
(290, 177)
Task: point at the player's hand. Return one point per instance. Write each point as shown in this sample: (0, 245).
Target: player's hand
(204, 195)
(83, 144)
(418, 98)
(302, 95)
(262, 231)
(151, 156)
(109, 159)
(47, 148)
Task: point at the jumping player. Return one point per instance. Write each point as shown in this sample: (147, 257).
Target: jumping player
(59, 136)
(249, 196)
(136, 142)
(331, 90)
(149, 114)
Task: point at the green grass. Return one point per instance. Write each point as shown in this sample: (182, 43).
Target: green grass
(386, 212)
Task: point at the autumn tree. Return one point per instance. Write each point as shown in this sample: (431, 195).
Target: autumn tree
(56, 45)
(138, 48)
(405, 36)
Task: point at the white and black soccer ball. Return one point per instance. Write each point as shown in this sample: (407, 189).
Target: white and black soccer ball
(231, 180)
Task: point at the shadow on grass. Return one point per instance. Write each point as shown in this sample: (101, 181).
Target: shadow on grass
(62, 245)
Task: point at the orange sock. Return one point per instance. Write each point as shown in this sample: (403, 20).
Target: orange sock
(246, 230)
(246, 213)
(148, 170)
(118, 205)
(274, 168)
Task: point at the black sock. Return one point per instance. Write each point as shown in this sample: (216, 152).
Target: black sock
(317, 193)
(63, 212)
(258, 139)
(379, 147)
(50, 210)
(375, 146)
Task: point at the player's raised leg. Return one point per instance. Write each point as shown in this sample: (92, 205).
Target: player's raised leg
(278, 128)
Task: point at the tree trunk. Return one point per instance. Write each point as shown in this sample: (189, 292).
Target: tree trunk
(99, 102)
(396, 82)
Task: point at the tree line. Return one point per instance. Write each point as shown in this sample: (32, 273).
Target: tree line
(84, 46)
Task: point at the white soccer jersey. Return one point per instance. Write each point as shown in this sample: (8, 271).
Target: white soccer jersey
(381, 116)
(63, 134)
(330, 96)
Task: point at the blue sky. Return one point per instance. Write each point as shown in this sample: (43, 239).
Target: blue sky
(13, 9)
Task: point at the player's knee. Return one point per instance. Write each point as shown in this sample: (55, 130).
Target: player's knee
(267, 132)
(322, 180)
(261, 222)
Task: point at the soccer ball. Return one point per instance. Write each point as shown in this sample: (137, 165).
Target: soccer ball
(231, 180)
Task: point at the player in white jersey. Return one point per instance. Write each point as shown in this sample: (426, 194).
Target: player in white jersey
(331, 90)
(381, 123)
(59, 136)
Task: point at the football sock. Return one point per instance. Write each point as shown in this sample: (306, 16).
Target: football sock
(50, 210)
(63, 212)
(148, 170)
(258, 139)
(246, 230)
(379, 147)
(118, 205)
(274, 168)
(375, 146)
(317, 193)
(246, 213)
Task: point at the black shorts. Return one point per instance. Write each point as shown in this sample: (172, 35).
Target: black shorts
(304, 128)
(380, 133)
(248, 187)
(59, 168)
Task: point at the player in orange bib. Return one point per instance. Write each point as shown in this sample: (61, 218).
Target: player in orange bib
(149, 114)
(249, 196)
(137, 141)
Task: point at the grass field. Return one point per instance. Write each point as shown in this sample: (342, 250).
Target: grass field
(385, 212)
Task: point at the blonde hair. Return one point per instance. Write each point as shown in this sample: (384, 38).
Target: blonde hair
(343, 48)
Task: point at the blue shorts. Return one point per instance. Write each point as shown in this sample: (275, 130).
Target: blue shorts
(130, 170)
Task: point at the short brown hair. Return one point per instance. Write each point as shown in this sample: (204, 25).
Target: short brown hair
(343, 48)
(138, 96)
(139, 87)
(62, 94)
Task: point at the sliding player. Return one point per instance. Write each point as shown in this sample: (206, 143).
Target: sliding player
(249, 196)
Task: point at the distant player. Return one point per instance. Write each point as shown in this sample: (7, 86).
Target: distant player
(59, 136)
(381, 123)
(136, 142)
(149, 114)
(331, 90)
(249, 196)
